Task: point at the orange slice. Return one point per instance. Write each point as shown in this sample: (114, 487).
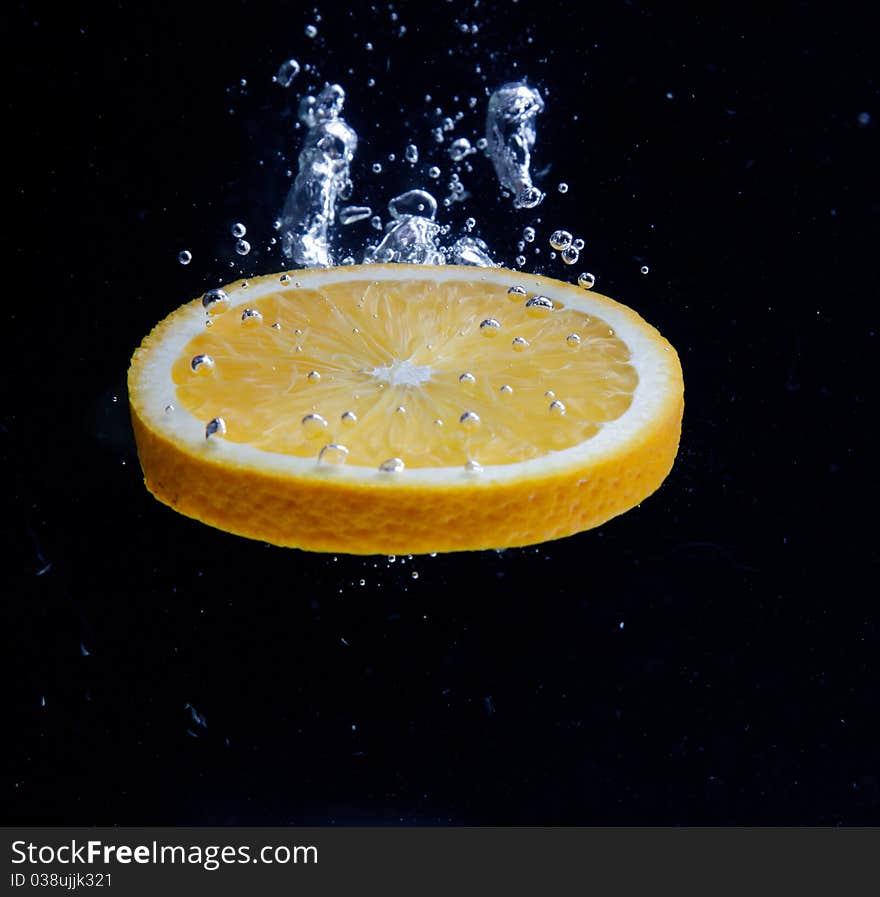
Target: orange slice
(403, 409)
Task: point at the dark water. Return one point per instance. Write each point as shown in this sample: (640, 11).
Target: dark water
(708, 658)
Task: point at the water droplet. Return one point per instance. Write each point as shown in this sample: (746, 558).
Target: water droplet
(578, 244)
(314, 425)
(573, 339)
(311, 31)
(506, 390)
(184, 256)
(238, 229)
(212, 297)
(242, 247)
(392, 465)
(351, 214)
(467, 378)
(313, 376)
(470, 420)
(215, 427)
(529, 234)
(644, 269)
(539, 306)
(333, 453)
(459, 148)
(560, 239)
(473, 467)
(569, 255)
(586, 280)
(377, 167)
(557, 408)
(202, 363)
(411, 153)
(563, 187)
(251, 316)
(520, 344)
(490, 327)
(287, 71)
(516, 293)
(434, 172)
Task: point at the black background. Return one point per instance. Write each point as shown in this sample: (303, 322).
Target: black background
(708, 658)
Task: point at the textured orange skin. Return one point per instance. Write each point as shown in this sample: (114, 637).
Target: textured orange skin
(373, 519)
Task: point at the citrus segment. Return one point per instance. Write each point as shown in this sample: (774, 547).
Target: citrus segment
(404, 409)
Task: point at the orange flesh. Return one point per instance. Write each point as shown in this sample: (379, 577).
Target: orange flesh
(376, 351)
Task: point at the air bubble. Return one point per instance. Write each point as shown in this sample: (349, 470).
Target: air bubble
(411, 153)
(434, 172)
(586, 280)
(520, 344)
(284, 279)
(470, 223)
(314, 425)
(569, 255)
(459, 148)
(201, 363)
(573, 339)
(644, 269)
(212, 297)
(506, 390)
(470, 420)
(242, 247)
(377, 167)
(287, 71)
(578, 244)
(184, 256)
(215, 427)
(467, 378)
(560, 239)
(516, 293)
(333, 454)
(392, 465)
(351, 214)
(251, 316)
(520, 260)
(400, 409)
(311, 31)
(529, 234)
(563, 187)
(490, 327)
(313, 376)
(473, 467)
(238, 229)
(557, 408)
(539, 306)
(376, 222)
(169, 409)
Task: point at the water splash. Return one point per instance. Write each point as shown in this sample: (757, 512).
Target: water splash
(323, 177)
(510, 135)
